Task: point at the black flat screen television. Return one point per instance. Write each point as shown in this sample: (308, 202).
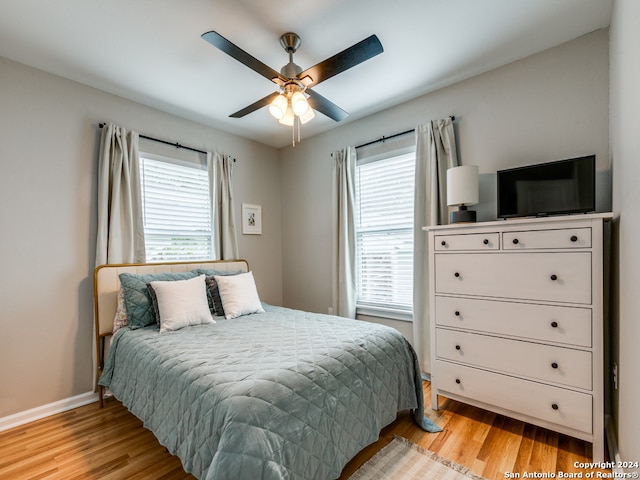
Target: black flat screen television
(553, 188)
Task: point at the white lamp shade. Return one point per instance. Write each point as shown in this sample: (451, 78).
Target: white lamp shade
(462, 185)
(288, 118)
(307, 116)
(278, 106)
(299, 104)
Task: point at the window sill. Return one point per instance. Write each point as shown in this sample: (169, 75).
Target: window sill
(384, 313)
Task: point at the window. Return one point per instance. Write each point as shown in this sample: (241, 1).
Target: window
(384, 235)
(176, 209)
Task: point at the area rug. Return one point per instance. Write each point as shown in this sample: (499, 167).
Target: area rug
(404, 460)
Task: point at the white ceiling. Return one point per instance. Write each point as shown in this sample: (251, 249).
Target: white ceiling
(150, 51)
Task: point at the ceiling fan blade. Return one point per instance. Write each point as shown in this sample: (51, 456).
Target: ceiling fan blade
(350, 57)
(218, 41)
(326, 107)
(263, 102)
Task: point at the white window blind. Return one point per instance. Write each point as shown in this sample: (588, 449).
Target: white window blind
(384, 235)
(177, 210)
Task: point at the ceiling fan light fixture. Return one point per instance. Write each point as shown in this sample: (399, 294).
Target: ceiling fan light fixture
(299, 103)
(288, 117)
(278, 107)
(308, 115)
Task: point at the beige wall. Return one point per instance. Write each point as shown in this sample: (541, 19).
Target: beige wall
(625, 152)
(549, 106)
(48, 157)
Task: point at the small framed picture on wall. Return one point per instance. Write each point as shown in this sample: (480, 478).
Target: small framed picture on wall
(251, 219)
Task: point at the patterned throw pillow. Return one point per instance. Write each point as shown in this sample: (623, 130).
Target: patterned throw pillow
(214, 296)
(154, 302)
(121, 318)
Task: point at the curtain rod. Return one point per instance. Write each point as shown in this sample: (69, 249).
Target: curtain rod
(384, 139)
(177, 145)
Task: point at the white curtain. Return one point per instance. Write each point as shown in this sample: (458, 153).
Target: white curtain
(120, 222)
(120, 236)
(435, 153)
(225, 238)
(344, 238)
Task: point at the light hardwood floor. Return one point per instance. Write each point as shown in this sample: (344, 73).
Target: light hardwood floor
(110, 443)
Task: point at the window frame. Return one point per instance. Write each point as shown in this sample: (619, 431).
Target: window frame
(381, 153)
(201, 165)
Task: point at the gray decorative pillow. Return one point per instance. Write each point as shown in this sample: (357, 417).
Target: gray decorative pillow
(136, 295)
(213, 295)
(215, 303)
(154, 301)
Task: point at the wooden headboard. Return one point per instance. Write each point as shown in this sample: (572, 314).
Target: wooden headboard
(106, 284)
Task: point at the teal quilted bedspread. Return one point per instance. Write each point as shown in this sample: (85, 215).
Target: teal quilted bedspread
(281, 395)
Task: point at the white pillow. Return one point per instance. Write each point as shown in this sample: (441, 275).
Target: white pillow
(182, 303)
(238, 294)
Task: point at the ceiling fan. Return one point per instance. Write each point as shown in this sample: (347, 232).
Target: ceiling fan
(294, 98)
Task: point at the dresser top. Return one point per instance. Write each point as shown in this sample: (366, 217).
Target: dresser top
(525, 221)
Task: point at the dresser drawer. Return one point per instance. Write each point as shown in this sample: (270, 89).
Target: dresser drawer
(546, 323)
(470, 241)
(552, 404)
(565, 366)
(562, 238)
(556, 277)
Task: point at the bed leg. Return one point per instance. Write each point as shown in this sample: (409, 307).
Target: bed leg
(100, 396)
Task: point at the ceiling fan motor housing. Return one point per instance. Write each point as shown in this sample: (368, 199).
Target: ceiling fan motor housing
(290, 42)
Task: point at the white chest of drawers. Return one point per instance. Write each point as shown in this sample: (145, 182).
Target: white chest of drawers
(517, 319)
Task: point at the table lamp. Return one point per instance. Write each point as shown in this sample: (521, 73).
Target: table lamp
(462, 190)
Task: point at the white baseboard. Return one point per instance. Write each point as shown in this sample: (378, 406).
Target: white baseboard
(43, 411)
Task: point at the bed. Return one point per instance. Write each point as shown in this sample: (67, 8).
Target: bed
(273, 394)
